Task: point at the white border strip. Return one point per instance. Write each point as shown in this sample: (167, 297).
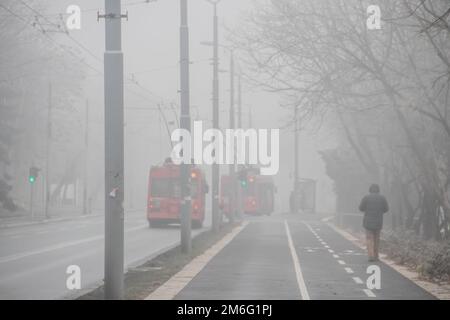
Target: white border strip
(176, 283)
(298, 271)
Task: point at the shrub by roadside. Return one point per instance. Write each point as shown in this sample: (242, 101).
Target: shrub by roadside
(430, 259)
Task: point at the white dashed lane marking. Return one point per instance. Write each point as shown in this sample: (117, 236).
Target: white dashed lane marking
(369, 293)
(348, 270)
(357, 280)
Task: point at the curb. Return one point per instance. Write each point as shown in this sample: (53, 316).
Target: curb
(169, 289)
(96, 284)
(45, 221)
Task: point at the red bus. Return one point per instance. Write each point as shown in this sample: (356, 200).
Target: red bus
(258, 194)
(164, 194)
(226, 205)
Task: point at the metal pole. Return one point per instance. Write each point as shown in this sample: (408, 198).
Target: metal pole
(86, 153)
(185, 123)
(239, 189)
(48, 153)
(216, 219)
(296, 157)
(31, 200)
(238, 185)
(114, 153)
(240, 101)
(233, 202)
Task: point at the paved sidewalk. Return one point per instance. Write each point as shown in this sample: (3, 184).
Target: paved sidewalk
(288, 257)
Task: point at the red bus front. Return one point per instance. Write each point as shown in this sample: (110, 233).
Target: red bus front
(164, 194)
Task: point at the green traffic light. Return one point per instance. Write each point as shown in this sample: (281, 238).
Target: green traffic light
(31, 179)
(244, 183)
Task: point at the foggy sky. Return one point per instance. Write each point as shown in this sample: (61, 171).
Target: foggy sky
(150, 42)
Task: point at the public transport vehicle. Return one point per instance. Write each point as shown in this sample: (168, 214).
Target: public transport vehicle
(257, 194)
(227, 206)
(164, 195)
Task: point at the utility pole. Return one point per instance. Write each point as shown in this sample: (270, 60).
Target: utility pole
(185, 123)
(48, 153)
(296, 129)
(86, 154)
(240, 101)
(216, 218)
(31, 201)
(114, 152)
(233, 180)
(239, 167)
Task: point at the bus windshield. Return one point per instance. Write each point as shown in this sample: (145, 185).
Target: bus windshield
(169, 188)
(164, 187)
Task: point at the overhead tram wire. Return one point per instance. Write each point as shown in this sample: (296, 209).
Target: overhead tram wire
(80, 45)
(93, 55)
(46, 36)
(126, 4)
(132, 81)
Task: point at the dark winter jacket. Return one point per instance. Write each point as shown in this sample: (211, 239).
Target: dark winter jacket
(374, 205)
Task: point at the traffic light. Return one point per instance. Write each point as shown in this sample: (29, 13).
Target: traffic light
(32, 176)
(242, 177)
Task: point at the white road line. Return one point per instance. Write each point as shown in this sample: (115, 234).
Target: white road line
(348, 270)
(17, 236)
(335, 256)
(341, 262)
(63, 245)
(330, 251)
(177, 282)
(41, 232)
(328, 247)
(369, 293)
(357, 280)
(298, 271)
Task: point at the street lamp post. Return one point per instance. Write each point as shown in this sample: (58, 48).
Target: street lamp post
(239, 189)
(216, 219)
(114, 153)
(296, 129)
(232, 168)
(185, 123)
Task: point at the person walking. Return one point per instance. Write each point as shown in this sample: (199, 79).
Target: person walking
(374, 205)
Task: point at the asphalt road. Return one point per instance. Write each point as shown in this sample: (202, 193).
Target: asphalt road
(295, 257)
(34, 259)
